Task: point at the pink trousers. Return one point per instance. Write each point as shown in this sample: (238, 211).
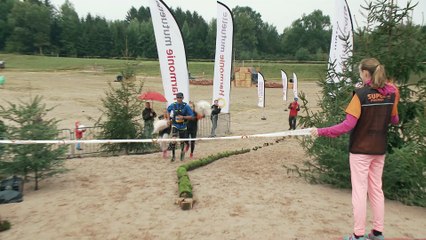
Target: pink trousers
(366, 177)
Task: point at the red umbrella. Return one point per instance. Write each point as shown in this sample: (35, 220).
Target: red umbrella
(152, 96)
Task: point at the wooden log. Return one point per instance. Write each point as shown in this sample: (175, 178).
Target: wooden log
(185, 203)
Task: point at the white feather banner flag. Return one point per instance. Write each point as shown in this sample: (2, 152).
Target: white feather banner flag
(342, 42)
(260, 90)
(223, 57)
(285, 84)
(171, 51)
(295, 86)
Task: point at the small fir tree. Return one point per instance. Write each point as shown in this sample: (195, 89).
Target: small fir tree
(122, 111)
(28, 122)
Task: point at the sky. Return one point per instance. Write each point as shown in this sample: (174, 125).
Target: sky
(279, 13)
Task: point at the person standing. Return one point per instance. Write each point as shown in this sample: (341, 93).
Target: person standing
(193, 127)
(79, 130)
(294, 108)
(179, 113)
(214, 116)
(372, 108)
(148, 116)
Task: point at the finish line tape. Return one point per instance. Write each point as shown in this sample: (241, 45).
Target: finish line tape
(300, 132)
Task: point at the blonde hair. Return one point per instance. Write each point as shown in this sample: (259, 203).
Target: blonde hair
(376, 70)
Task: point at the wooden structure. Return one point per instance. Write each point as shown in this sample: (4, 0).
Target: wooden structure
(242, 77)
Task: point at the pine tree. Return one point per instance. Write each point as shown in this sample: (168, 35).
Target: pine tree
(122, 112)
(28, 122)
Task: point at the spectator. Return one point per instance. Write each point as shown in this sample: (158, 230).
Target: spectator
(148, 116)
(372, 108)
(214, 117)
(294, 108)
(79, 130)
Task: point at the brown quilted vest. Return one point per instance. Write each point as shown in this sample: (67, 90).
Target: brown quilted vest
(370, 133)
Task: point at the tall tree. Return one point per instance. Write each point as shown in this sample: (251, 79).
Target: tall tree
(95, 37)
(5, 30)
(211, 39)
(69, 25)
(311, 32)
(269, 40)
(247, 30)
(118, 36)
(31, 27)
(133, 38)
(147, 39)
(132, 14)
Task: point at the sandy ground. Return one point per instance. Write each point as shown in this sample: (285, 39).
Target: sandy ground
(248, 196)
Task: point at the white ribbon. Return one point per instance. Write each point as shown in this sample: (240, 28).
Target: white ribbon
(299, 132)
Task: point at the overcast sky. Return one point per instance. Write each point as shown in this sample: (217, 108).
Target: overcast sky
(280, 13)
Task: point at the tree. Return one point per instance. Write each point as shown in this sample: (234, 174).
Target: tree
(69, 25)
(31, 28)
(211, 39)
(95, 38)
(118, 36)
(385, 37)
(122, 111)
(147, 39)
(312, 32)
(28, 122)
(269, 40)
(5, 31)
(132, 14)
(248, 23)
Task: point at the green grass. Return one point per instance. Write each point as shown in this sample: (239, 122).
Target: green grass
(198, 69)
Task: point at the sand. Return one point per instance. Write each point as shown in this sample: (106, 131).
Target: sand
(249, 196)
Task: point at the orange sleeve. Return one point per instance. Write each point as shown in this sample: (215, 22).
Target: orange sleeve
(354, 107)
(395, 104)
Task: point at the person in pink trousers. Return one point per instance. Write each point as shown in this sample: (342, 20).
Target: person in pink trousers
(368, 116)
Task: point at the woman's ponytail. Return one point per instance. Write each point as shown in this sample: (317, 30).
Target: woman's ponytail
(376, 70)
(378, 79)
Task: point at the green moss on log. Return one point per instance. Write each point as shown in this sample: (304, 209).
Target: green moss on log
(184, 184)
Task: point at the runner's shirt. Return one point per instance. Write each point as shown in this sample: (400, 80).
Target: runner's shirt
(175, 109)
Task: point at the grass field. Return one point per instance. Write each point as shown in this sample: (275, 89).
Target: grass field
(270, 70)
(198, 69)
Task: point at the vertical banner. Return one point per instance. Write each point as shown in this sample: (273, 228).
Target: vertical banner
(223, 57)
(341, 46)
(171, 51)
(295, 86)
(285, 84)
(260, 90)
